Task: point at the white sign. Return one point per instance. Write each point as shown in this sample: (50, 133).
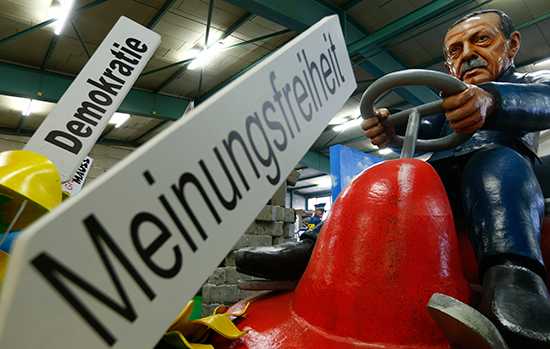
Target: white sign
(78, 119)
(115, 265)
(73, 186)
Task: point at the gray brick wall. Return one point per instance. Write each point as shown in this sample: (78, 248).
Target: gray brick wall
(273, 225)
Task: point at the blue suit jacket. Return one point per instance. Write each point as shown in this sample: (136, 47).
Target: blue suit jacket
(314, 220)
(522, 108)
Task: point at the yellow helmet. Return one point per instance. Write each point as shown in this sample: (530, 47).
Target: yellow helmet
(26, 175)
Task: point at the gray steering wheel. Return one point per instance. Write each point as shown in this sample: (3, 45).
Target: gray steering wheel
(443, 82)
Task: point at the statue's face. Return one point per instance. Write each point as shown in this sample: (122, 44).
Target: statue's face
(477, 51)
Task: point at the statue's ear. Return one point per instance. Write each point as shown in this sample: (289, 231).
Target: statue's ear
(515, 41)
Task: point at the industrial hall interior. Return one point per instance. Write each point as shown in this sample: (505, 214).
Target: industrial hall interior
(232, 37)
(179, 135)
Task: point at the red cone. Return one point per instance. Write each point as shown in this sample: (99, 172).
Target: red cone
(387, 246)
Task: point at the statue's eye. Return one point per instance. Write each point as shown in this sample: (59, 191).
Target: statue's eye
(454, 50)
(482, 38)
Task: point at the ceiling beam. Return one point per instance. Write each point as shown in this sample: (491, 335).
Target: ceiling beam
(244, 18)
(318, 194)
(310, 177)
(298, 15)
(317, 161)
(230, 30)
(232, 78)
(46, 23)
(381, 62)
(268, 36)
(422, 15)
(533, 21)
(189, 60)
(28, 30)
(80, 38)
(208, 24)
(90, 5)
(46, 86)
(305, 186)
(392, 39)
(160, 14)
(304, 13)
(172, 77)
(53, 42)
(48, 54)
(351, 3)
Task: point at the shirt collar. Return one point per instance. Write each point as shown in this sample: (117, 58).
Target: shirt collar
(509, 74)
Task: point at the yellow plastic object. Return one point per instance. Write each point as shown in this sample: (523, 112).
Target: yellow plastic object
(185, 334)
(4, 258)
(25, 175)
(177, 340)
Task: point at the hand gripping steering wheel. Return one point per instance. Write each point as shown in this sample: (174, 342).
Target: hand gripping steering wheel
(443, 82)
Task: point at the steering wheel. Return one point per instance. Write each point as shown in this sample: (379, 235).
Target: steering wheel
(443, 82)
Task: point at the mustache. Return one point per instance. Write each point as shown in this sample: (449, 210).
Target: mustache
(472, 64)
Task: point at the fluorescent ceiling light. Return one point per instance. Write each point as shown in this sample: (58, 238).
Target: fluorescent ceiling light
(542, 62)
(63, 15)
(118, 119)
(323, 182)
(27, 108)
(190, 54)
(204, 55)
(348, 124)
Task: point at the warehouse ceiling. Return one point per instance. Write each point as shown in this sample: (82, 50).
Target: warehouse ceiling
(382, 36)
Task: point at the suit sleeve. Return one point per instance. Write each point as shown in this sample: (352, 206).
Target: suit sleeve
(518, 106)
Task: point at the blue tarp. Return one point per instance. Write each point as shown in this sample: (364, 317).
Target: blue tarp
(345, 164)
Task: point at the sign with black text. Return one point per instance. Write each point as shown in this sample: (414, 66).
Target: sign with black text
(72, 128)
(115, 265)
(73, 186)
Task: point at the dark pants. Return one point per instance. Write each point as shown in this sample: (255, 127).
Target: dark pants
(495, 194)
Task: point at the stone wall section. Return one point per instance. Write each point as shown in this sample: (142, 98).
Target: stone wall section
(274, 225)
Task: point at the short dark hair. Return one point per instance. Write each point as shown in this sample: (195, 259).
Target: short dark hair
(506, 25)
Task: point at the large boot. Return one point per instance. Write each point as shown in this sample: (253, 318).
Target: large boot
(516, 300)
(286, 261)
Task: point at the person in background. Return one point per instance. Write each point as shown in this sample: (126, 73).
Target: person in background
(317, 216)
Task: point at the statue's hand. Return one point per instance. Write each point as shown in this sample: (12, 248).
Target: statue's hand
(466, 111)
(378, 134)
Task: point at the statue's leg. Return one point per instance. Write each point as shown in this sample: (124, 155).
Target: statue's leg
(504, 207)
(286, 261)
